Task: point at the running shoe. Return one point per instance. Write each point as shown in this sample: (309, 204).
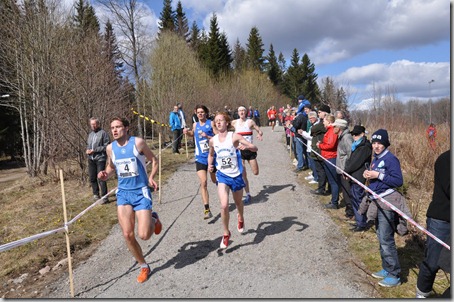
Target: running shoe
(247, 200)
(313, 182)
(380, 274)
(310, 177)
(207, 214)
(390, 281)
(157, 224)
(225, 241)
(240, 226)
(145, 273)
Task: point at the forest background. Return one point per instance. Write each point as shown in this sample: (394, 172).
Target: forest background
(57, 70)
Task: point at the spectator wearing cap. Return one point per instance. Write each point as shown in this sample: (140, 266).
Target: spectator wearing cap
(344, 149)
(318, 131)
(328, 148)
(361, 152)
(385, 175)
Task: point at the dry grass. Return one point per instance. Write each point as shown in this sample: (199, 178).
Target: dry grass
(32, 206)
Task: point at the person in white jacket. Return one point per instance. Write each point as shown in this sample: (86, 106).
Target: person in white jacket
(312, 119)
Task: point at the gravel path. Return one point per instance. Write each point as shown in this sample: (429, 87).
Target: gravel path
(290, 248)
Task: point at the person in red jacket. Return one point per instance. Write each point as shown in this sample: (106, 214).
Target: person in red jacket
(431, 134)
(328, 148)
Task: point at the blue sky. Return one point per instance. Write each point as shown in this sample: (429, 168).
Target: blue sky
(395, 45)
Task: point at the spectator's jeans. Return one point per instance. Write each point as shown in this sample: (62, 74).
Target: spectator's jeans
(299, 152)
(311, 162)
(429, 267)
(357, 194)
(177, 136)
(94, 167)
(333, 180)
(386, 225)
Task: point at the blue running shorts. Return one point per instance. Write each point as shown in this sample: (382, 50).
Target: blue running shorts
(234, 183)
(139, 199)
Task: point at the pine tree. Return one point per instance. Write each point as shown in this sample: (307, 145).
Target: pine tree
(255, 50)
(309, 86)
(282, 62)
(194, 39)
(239, 56)
(181, 23)
(293, 77)
(85, 18)
(273, 69)
(167, 17)
(111, 49)
(225, 54)
(216, 52)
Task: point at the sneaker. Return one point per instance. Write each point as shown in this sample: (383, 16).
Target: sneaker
(105, 199)
(421, 295)
(247, 200)
(240, 226)
(145, 273)
(225, 241)
(313, 182)
(207, 214)
(310, 177)
(390, 281)
(95, 197)
(380, 274)
(331, 206)
(157, 224)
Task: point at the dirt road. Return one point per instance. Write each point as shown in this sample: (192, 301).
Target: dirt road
(290, 248)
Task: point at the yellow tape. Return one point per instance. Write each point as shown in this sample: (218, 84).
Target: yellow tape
(148, 119)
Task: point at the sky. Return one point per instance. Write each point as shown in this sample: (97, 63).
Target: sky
(402, 46)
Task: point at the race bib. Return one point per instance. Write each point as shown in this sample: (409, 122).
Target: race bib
(204, 146)
(127, 167)
(272, 116)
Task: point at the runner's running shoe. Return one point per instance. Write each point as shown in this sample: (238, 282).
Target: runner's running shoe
(240, 226)
(247, 200)
(145, 273)
(207, 214)
(225, 241)
(157, 224)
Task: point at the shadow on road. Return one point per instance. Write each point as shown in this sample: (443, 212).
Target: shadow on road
(264, 194)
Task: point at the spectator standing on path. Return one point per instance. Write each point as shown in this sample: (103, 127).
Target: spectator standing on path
(202, 131)
(439, 224)
(344, 150)
(257, 116)
(176, 126)
(355, 166)
(328, 148)
(385, 177)
(312, 119)
(318, 131)
(250, 112)
(299, 124)
(272, 115)
(182, 115)
(226, 146)
(127, 155)
(245, 126)
(431, 134)
(97, 142)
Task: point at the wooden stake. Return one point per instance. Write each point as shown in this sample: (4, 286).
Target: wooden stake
(68, 247)
(159, 169)
(186, 142)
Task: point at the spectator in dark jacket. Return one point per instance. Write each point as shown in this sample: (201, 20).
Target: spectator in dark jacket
(299, 124)
(438, 223)
(318, 131)
(355, 166)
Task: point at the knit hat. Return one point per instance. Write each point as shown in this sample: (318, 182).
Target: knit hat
(358, 129)
(341, 123)
(300, 97)
(381, 136)
(324, 108)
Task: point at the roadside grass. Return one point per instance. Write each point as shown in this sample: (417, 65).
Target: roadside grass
(31, 206)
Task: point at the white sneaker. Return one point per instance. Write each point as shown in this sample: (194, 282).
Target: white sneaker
(310, 177)
(313, 182)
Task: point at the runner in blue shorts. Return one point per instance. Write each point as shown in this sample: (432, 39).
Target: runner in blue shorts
(126, 157)
(202, 131)
(225, 146)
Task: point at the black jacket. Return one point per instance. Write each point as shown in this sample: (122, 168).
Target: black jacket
(355, 164)
(317, 132)
(300, 122)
